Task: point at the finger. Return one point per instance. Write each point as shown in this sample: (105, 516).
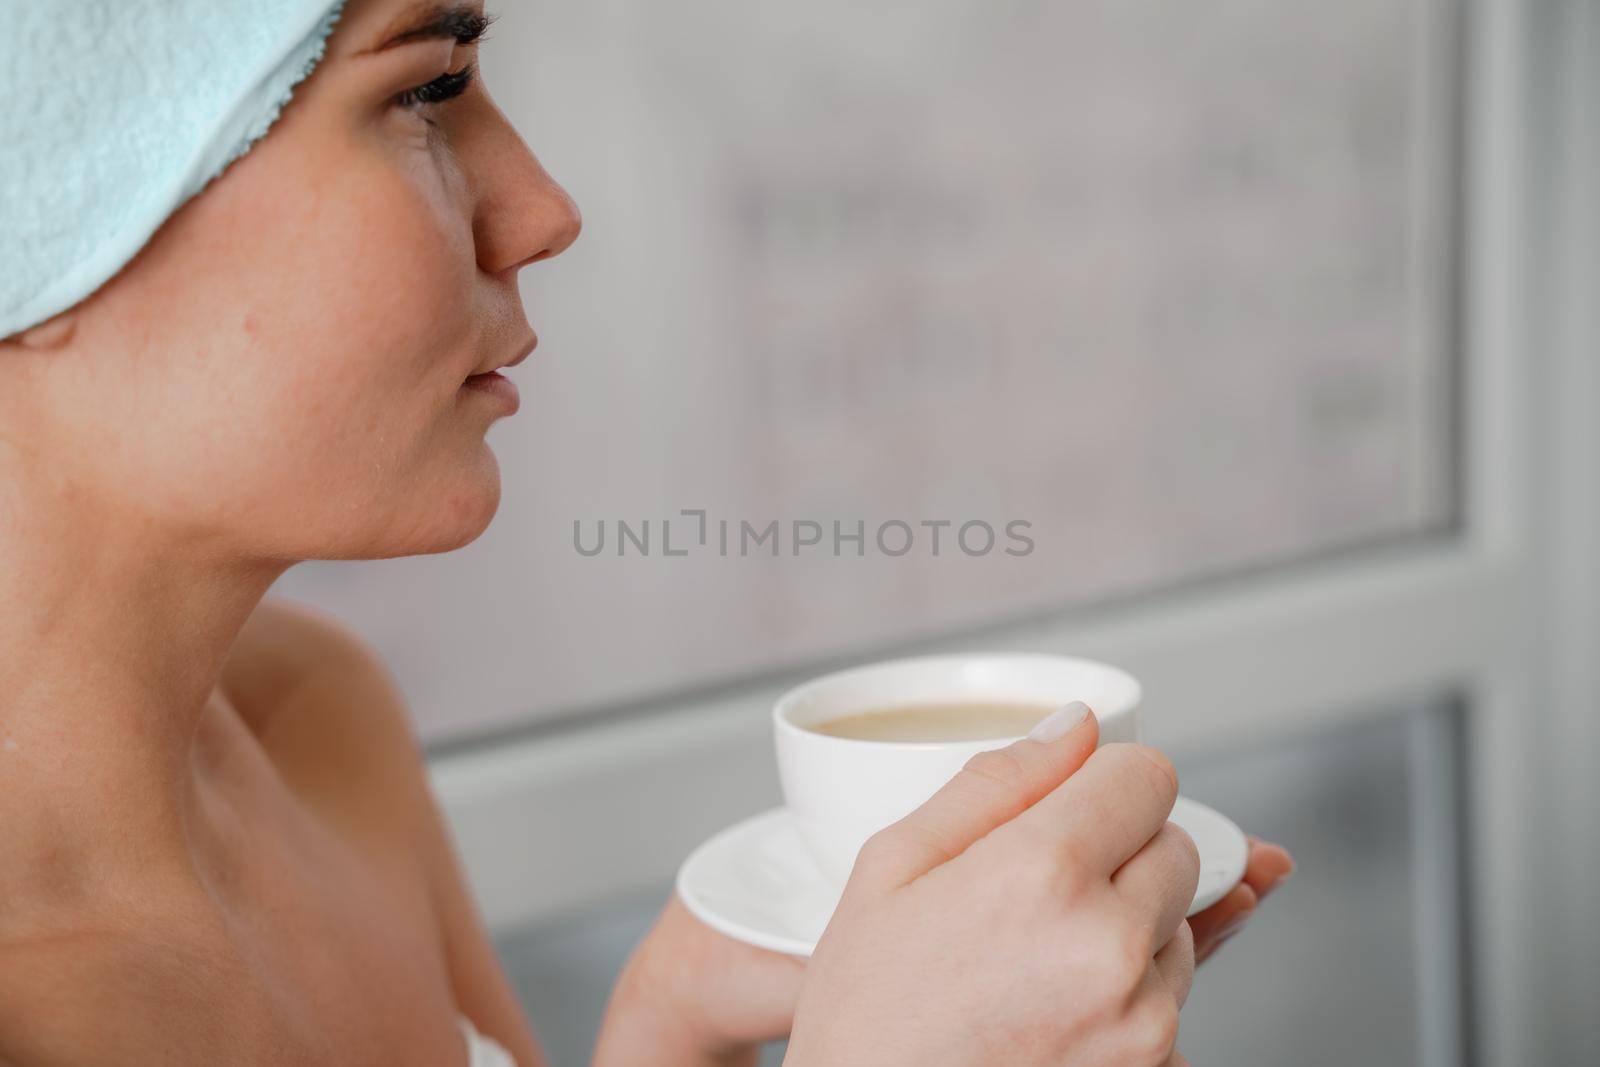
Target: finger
(1222, 920)
(993, 788)
(1175, 963)
(1111, 807)
(1158, 883)
(1212, 947)
(1151, 1024)
(1215, 947)
(1268, 867)
(1177, 1060)
(1226, 914)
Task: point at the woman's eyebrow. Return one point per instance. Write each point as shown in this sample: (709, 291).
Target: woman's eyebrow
(464, 23)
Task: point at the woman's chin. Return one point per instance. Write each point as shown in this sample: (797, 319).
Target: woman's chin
(470, 506)
(439, 509)
(455, 516)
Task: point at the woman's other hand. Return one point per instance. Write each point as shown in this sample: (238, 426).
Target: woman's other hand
(690, 996)
(1268, 867)
(1031, 913)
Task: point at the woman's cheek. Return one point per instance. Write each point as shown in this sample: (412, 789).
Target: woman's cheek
(403, 327)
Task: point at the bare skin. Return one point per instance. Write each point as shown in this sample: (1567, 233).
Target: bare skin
(219, 845)
(200, 868)
(325, 924)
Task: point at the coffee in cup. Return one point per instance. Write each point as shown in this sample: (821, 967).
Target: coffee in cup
(960, 720)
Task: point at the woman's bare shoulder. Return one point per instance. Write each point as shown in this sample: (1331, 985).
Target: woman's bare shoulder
(327, 711)
(340, 734)
(283, 646)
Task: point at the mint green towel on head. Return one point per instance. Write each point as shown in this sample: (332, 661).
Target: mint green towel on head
(119, 111)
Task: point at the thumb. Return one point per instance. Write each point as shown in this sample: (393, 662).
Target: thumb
(992, 789)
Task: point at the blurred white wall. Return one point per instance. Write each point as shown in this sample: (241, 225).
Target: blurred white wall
(1169, 282)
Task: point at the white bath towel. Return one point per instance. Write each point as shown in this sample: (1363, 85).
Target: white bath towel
(116, 113)
(483, 1051)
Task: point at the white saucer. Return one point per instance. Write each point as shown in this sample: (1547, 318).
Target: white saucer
(756, 882)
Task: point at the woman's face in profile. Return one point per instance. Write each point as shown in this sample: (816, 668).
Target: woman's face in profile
(280, 370)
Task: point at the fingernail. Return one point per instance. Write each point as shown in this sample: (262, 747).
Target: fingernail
(1282, 878)
(1060, 722)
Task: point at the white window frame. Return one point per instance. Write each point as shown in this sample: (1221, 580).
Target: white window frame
(1501, 614)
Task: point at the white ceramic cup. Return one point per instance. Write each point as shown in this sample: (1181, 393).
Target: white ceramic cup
(840, 791)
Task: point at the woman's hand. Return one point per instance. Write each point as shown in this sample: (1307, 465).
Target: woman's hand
(1031, 913)
(690, 996)
(1268, 867)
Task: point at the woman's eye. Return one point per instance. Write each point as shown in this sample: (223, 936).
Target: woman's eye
(444, 87)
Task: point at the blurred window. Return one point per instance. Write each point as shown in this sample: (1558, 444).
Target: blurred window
(1168, 283)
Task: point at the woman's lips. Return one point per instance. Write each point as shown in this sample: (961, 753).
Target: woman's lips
(497, 386)
(494, 384)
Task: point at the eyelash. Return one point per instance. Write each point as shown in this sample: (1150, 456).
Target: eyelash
(444, 87)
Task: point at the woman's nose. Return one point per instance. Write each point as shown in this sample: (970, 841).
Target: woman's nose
(522, 214)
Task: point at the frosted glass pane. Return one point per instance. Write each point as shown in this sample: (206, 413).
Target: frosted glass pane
(1167, 282)
(1329, 972)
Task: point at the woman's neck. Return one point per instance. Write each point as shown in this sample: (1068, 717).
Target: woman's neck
(112, 639)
